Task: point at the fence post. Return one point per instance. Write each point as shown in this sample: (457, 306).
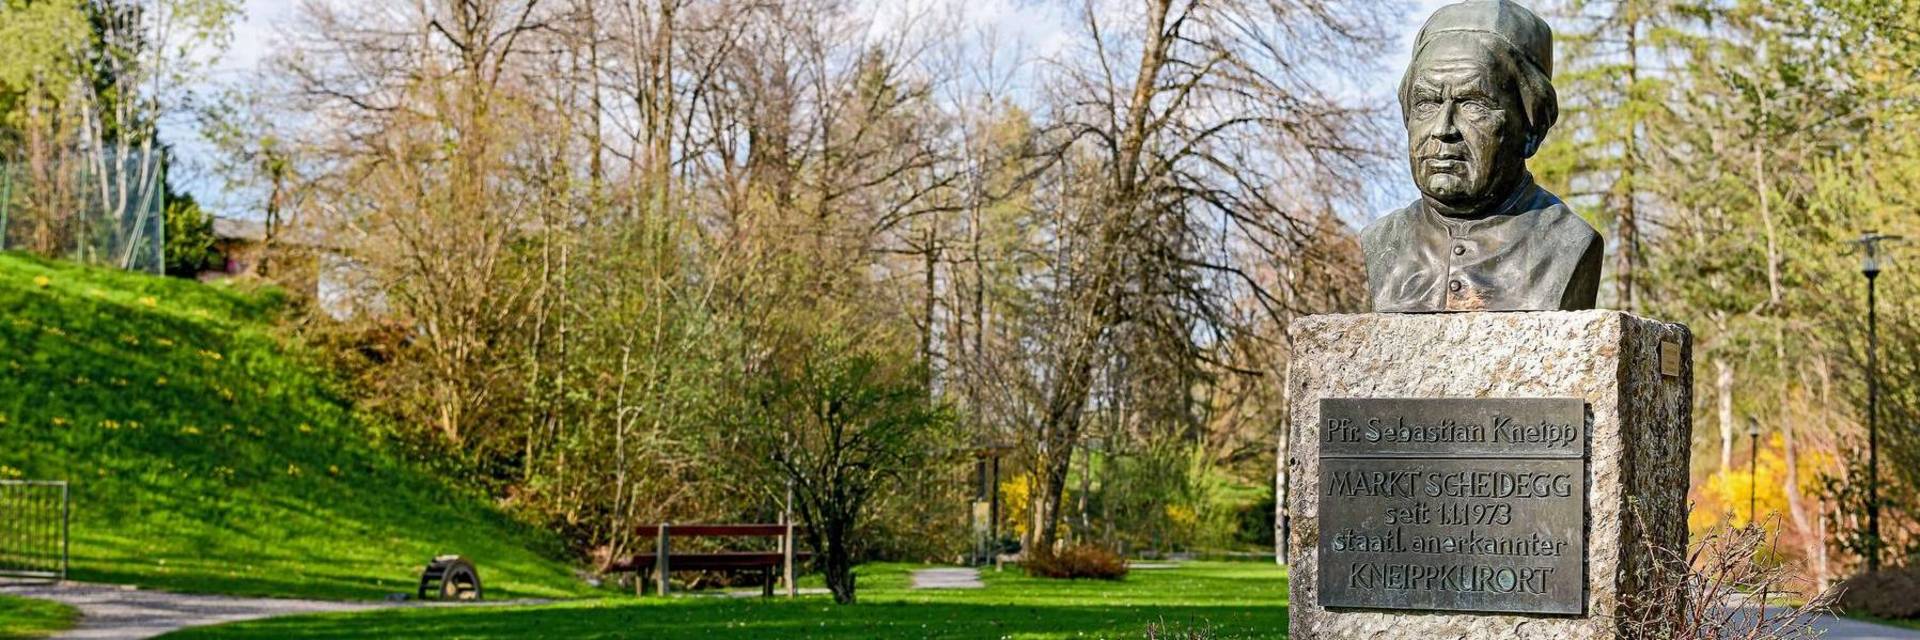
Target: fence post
(660, 559)
(6, 201)
(787, 542)
(66, 537)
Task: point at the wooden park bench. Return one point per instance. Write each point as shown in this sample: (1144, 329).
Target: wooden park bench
(663, 561)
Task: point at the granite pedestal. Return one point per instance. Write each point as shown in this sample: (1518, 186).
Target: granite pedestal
(1447, 517)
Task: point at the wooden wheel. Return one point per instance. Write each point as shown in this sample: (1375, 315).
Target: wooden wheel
(450, 578)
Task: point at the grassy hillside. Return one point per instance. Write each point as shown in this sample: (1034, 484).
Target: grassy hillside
(204, 457)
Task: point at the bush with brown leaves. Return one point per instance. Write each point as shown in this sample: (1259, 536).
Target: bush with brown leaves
(1075, 562)
(1888, 593)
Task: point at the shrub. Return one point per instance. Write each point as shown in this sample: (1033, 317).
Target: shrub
(1075, 562)
(1888, 593)
(1163, 631)
(1719, 591)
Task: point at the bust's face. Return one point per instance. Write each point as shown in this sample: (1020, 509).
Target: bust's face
(1466, 128)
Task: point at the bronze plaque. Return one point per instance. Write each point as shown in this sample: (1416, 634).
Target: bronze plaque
(1474, 505)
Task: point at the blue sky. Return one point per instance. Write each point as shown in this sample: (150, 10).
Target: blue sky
(258, 30)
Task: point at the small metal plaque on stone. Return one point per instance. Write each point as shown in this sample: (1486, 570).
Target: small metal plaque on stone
(1670, 359)
(1452, 504)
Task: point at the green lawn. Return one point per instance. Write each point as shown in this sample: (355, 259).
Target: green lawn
(23, 618)
(1904, 624)
(1235, 600)
(207, 456)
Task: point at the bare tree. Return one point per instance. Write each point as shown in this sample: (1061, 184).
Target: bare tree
(1177, 135)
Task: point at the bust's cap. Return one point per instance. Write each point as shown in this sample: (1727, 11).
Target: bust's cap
(1520, 28)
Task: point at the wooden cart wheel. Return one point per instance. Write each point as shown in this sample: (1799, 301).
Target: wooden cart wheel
(456, 576)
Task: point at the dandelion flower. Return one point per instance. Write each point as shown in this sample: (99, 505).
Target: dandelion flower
(150, 301)
(41, 281)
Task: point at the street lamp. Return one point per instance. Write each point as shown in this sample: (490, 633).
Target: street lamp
(1753, 470)
(1870, 267)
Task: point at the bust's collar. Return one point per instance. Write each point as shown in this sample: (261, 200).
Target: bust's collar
(1517, 202)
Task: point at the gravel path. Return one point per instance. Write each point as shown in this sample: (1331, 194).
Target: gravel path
(117, 612)
(1844, 629)
(955, 578)
(114, 612)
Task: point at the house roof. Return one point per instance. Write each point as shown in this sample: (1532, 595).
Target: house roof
(237, 229)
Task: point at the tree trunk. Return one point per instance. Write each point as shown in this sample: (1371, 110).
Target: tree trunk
(1629, 232)
(1723, 388)
(1047, 498)
(837, 561)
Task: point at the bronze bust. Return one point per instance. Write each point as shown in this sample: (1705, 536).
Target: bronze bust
(1478, 100)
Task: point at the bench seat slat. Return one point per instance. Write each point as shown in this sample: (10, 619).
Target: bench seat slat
(705, 561)
(650, 531)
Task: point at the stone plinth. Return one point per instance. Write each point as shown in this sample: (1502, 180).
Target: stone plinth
(1637, 431)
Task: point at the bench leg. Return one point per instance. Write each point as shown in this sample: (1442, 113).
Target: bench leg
(766, 579)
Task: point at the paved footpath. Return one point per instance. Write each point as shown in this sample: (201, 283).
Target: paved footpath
(1837, 628)
(116, 612)
(951, 578)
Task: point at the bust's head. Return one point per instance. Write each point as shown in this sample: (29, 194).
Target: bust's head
(1478, 100)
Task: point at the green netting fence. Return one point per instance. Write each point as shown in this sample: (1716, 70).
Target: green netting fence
(104, 209)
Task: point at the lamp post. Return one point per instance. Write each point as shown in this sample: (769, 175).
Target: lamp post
(1753, 470)
(1870, 267)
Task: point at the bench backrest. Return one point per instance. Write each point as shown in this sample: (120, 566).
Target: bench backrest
(718, 530)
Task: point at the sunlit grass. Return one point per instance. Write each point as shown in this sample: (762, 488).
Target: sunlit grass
(21, 618)
(1234, 600)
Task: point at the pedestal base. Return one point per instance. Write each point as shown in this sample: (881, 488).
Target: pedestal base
(1635, 377)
